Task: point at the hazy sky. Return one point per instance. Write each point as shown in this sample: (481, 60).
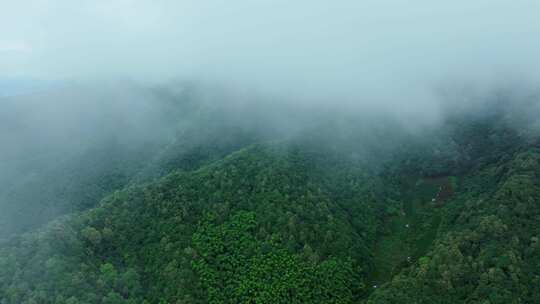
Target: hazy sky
(326, 50)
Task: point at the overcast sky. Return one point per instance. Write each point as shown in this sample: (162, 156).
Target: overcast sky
(345, 49)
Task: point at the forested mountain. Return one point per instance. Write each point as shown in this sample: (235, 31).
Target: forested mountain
(269, 152)
(54, 162)
(337, 209)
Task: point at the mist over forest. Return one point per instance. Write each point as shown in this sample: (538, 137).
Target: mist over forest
(269, 152)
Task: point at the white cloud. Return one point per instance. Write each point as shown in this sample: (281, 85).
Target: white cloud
(15, 46)
(329, 50)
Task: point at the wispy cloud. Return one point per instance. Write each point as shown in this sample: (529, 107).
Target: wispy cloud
(15, 46)
(369, 52)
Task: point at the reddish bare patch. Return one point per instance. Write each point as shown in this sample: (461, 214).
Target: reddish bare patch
(445, 187)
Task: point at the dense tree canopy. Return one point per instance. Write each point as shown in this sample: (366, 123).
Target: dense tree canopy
(447, 218)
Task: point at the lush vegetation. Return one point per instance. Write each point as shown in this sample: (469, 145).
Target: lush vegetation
(450, 217)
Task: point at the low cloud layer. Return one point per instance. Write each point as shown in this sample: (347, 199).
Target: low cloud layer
(120, 85)
(385, 53)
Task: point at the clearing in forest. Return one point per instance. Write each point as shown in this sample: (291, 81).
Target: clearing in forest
(407, 235)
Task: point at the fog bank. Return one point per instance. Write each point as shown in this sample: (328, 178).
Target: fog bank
(393, 54)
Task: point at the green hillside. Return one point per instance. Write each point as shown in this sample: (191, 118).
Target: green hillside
(447, 217)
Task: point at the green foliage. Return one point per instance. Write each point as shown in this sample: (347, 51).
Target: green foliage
(300, 222)
(236, 267)
(488, 253)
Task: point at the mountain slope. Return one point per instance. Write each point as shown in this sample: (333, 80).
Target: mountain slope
(160, 233)
(489, 251)
(445, 218)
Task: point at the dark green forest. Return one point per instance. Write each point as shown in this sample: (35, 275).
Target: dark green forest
(344, 209)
